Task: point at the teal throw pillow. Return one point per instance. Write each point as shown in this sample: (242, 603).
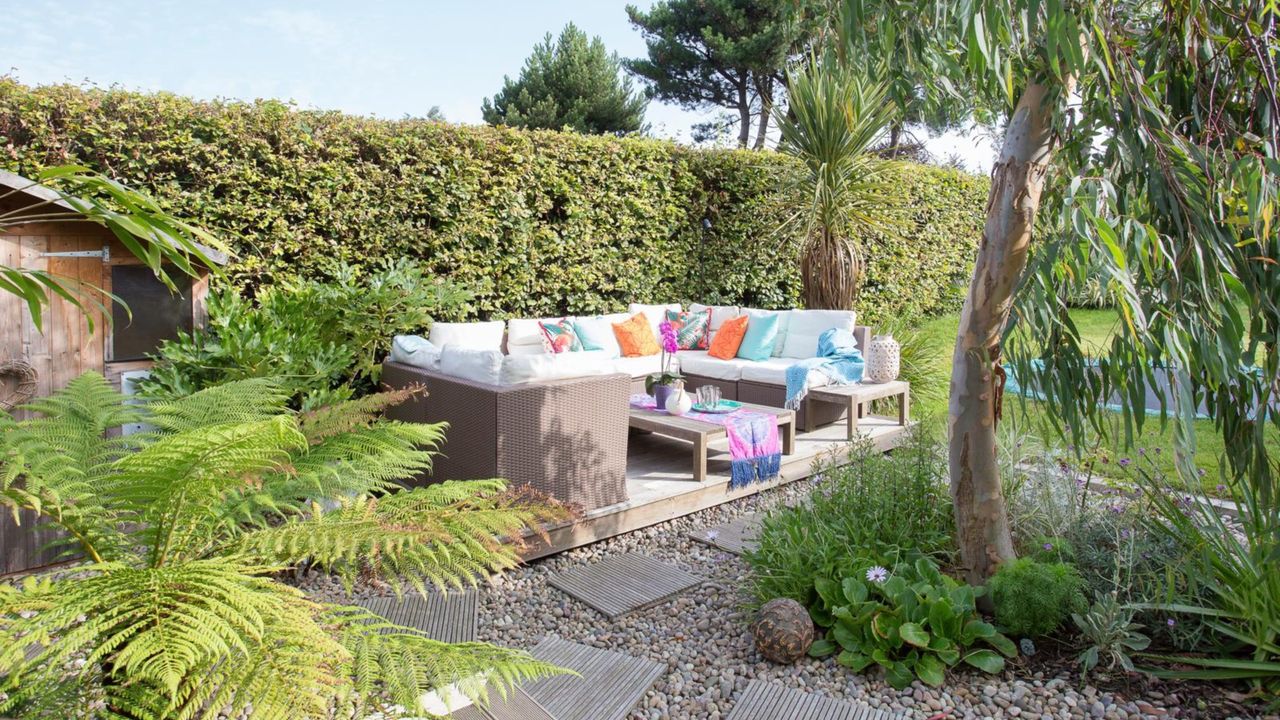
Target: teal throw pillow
(757, 344)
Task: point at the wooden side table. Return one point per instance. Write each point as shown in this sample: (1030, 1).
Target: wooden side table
(854, 396)
(700, 433)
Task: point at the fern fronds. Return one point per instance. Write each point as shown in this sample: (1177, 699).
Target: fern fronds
(403, 663)
(448, 535)
(242, 401)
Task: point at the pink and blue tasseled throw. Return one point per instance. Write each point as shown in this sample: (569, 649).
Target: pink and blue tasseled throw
(755, 453)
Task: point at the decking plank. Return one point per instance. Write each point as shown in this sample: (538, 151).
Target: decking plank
(445, 617)
(608, 686)
(736, 536)
(623, 584)
(770, 701)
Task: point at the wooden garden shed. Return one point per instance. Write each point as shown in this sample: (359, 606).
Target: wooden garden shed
(87, 252)
(77, 249)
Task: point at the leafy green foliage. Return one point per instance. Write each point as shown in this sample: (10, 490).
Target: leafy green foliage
(535, 223)
(179, 611)
(156, 238)
(871, 509)
(570, 83)
(324, 340)
(1110, 633)
(916, 622)
(1034, 598)
(1226, 579)
(723, 53)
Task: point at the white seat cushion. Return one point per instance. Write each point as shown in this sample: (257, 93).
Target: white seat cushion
(774, 372)
(482, 366)
(640, 366)
(805, 326)
(655, 314)
(519, 369)
(415, 350)
(784, 319)
(478, 335)
(698, 362)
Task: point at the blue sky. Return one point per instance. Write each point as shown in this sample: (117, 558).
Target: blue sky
(379, 57)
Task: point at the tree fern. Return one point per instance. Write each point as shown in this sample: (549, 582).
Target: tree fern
(179, 613)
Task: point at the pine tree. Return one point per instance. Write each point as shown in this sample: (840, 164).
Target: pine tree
(572, 82)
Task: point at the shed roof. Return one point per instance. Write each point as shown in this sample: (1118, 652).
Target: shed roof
(37, 191)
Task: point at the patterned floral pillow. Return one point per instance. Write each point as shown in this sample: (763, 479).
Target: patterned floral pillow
(693, 329)
(561, 336)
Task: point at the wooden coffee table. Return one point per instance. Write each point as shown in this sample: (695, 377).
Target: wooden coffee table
(700, 433)
(854, 396)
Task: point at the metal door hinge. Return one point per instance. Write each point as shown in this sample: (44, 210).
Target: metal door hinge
(104, 253)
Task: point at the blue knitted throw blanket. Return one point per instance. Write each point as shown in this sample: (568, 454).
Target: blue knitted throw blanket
(839, 361)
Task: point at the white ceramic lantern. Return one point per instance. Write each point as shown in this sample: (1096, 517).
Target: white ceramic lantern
(884, 358)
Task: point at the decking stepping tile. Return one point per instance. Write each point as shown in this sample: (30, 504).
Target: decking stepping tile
(768, 701)
(736, 536)
(448, 617)
(610, 685)
(517, 706)
(624, 583)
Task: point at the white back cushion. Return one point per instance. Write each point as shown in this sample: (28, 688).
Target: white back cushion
(482, 366)
(598, 331)
(517, 369)
(784, 321)
(719, 313)
(806, 326)
(525, 336)
(655, 314)
(478, 335)
(415, 350)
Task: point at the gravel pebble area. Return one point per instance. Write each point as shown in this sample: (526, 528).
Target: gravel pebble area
(702, 638)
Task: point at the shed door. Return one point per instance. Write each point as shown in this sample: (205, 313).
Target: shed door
(66, 348)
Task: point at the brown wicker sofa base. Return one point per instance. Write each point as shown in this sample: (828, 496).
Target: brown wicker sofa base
(566, 438)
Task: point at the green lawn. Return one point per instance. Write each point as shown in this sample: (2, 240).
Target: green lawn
(1096, 328)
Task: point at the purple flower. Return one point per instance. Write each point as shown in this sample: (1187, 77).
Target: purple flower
(1142, 451)
(1199, 472)
(1048, 546)
(877, 574)
(1124, 533)
(1171, 622)
(1221, 487)
(1125, 462)
(668, 333)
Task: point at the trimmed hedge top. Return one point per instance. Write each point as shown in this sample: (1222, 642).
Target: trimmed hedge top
(538, 223)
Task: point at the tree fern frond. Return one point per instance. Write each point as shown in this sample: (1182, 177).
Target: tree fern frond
(404, 663)
(341, 417)
(242, 401)
(176, 484)
(448, 535)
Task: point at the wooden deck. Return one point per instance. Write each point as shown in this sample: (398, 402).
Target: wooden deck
(660, 485)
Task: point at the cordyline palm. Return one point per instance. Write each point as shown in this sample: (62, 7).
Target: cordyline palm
(834, 115)
(177, 612)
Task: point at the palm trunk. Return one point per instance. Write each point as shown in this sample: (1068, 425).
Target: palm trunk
(977, 379)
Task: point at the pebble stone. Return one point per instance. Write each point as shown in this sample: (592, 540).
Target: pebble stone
(701, 637)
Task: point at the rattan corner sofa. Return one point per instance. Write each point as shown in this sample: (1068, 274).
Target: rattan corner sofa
(558, 421)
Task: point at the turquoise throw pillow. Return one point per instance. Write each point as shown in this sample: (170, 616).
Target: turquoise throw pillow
(757, 344)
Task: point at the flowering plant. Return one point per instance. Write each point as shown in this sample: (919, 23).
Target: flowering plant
(667, 340)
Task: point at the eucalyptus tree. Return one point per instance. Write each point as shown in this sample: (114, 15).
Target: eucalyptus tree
(1153, 128)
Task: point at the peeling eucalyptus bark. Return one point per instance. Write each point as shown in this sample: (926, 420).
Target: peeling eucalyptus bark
(982, 522)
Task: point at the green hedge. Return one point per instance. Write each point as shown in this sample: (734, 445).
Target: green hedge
(537, 222)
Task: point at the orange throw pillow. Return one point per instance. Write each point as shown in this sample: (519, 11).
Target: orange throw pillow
(725, 344)
(635, 337)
